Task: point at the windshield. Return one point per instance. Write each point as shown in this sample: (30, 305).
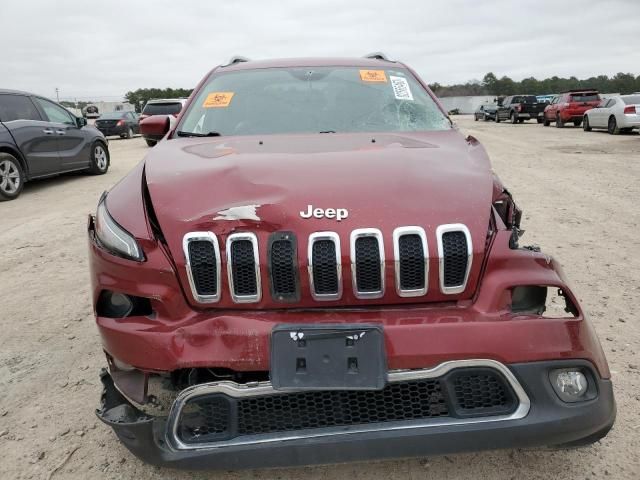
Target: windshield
(631, 99)
(167, 108)
(312, 100)
(111, 115)
(531, 99)
(585, 97)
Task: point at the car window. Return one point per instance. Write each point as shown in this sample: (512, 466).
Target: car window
(55, 113)
(584, 97)
(165, 108)
(631, 99)
(17, 107)
(313, 100)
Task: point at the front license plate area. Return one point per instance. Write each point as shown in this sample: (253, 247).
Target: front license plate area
(328, 357)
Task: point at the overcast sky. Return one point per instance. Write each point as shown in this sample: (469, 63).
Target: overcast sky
(101, 49)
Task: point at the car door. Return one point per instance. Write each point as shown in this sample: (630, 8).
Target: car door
(73, 145)
(503, 111)
(599, 114)
(33, 135)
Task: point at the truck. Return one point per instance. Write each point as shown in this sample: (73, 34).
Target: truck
(518, 108)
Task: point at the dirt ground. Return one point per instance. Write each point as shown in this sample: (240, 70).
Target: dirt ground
(580, 193)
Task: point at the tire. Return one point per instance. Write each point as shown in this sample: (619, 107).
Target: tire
(497, 119)
(521, 120)
(585, 124)
(577, 123)
(475, 117)
(100, 159)
(513, 118)
(150, 143)
(559, 122)
(546, 122)
(540, 120)
(612, 126)
(129, 133)
(11, 177)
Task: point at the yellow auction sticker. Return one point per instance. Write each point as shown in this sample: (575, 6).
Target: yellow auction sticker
(218, 100)
(373, 76)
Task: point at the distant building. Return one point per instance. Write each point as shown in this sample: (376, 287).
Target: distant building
(106, 107)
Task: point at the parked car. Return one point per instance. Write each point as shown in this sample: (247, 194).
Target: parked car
(485, 112)
(40, 138)
(123, 124)
(570, 106)
(258, 307)
(162, 108)
(616, 114)
(518, 108)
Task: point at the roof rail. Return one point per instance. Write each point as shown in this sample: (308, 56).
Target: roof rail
(377, 56)
(236, 59)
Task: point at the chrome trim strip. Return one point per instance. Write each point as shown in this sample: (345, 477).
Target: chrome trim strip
(206, 237)
(335, 238)
(397, 233)
(264, 388)
(367, 232)
(234, 237)
(453, 227)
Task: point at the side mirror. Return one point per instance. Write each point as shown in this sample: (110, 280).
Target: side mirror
(81, 122)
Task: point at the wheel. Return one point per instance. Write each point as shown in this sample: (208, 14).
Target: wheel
(521, 120)
(11, 177)
(540, 120)
(513, 118)
(546, 122)
(612, 126)
(151, 143)
(559, 122)
(577, 123)
(497, 119)
(585, 124)
(99, 159)
(475, 117)
(129, 133)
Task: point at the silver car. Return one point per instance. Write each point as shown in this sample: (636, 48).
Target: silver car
(617, 114)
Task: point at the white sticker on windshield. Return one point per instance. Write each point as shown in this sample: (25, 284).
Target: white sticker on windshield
(401, 88)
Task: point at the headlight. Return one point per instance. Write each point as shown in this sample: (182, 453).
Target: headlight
(113, 237)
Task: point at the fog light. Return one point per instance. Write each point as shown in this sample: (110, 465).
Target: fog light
(570, 385)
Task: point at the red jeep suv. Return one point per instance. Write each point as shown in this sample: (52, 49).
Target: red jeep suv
(570, 106)
(316, 266)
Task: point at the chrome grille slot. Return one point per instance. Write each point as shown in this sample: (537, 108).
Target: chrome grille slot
(454, 251)
(283, 267)
(243, 268)
(202, 256)
(367, 263)
(325, 269)
(411, 261)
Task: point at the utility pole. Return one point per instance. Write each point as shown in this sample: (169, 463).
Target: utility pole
(57, 95)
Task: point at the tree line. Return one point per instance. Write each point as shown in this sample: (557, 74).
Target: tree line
(138, 98)
(623, 83)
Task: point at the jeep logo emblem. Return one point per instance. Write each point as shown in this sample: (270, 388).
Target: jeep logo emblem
(338, 213)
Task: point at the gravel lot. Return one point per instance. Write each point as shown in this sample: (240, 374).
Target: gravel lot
(580, 194)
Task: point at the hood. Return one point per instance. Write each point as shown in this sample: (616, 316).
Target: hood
(263, 184)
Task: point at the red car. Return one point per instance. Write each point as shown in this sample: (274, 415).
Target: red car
(570, 106)
(317, 266)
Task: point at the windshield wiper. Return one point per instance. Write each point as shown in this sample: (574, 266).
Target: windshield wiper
(328, 131)
(180, 133)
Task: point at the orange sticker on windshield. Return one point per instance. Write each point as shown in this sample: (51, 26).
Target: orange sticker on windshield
(373, 76)
(218, 100)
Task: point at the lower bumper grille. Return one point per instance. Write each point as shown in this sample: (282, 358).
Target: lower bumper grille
(462, 393)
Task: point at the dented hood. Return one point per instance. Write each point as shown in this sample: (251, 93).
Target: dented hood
(262, 184)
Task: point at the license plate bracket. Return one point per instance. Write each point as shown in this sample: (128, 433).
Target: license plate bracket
(328, 357)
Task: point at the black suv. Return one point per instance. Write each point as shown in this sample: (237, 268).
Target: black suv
(40, 138)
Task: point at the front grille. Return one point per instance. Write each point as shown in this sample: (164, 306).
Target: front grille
(412, 262)
(325, 274)
(464, 393)
(368, 263)
(202, 257)
(283, 267)
(455, 258)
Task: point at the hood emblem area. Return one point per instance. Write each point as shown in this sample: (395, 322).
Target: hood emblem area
(338, 214)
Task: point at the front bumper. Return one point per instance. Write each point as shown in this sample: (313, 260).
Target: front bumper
(544, 421)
